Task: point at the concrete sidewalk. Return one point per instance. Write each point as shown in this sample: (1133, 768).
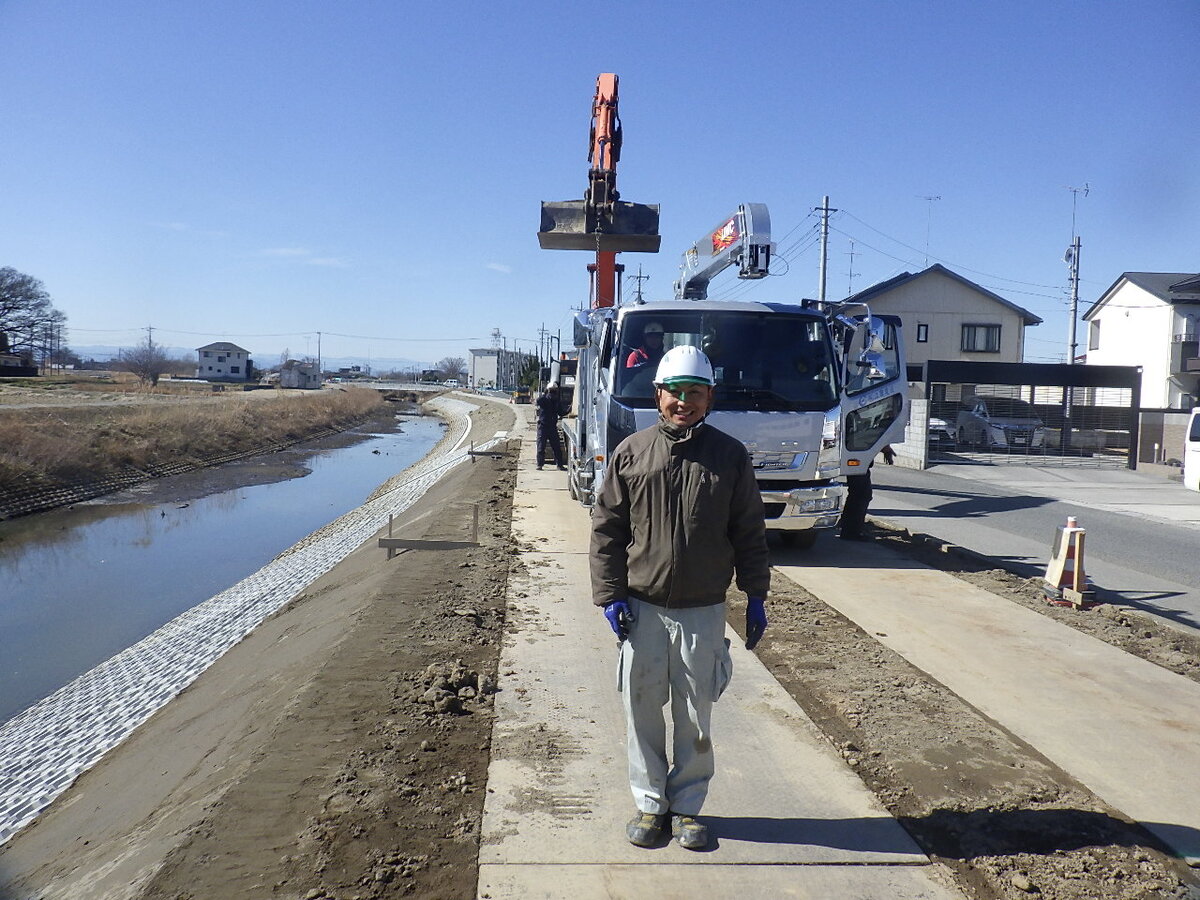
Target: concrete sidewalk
(1122, 726)
(787, 816)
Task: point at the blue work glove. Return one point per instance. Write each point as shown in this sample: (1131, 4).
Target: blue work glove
(756, 621)
(620, 617)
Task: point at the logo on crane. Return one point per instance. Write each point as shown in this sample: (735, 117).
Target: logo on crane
(726, 236)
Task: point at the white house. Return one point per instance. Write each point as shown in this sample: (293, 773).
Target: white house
(222, 361)
(1152, 320)
(947, 316)
(302, 375)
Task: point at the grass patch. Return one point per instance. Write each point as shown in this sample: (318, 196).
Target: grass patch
(49, 446)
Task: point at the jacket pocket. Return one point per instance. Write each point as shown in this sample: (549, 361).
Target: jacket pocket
(722, 671)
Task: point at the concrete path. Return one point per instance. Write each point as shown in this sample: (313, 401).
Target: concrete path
(788, 817)
(1116, 490)
(1124, 727)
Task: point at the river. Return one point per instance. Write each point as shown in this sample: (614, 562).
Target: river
(79, 585)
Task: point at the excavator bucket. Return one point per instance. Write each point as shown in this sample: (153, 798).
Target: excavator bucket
(567, 225)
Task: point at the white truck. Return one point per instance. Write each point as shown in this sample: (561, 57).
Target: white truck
(813, 393)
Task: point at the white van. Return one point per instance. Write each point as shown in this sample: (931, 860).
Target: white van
(1191, 452)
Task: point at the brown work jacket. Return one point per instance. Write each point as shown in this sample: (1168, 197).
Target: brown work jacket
(677, 516)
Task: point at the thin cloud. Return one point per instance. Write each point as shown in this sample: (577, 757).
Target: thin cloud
(500, 267)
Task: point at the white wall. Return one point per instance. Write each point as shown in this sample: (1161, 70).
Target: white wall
(484, 368)
(218, 364)
(1136, 329)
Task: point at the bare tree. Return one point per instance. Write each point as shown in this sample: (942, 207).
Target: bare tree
(147, 361)
(26, 313)
(451, 367)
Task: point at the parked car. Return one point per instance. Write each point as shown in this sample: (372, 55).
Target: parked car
(999, 423)
(940, 432)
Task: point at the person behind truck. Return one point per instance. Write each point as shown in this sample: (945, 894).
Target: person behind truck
(548, 414)
(651, 350)
(858, 498)
(679, 513)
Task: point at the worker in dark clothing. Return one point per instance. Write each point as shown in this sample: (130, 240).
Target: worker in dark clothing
(678, 517)
(858, 498)
(548, 414)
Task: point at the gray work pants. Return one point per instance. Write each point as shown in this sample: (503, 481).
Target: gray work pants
(680, 656)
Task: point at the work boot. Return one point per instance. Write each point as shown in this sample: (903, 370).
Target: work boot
(563, 468)
(691, 834)
(646, 829)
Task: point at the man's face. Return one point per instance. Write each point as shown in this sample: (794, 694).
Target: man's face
(684, 404)
(653, 339)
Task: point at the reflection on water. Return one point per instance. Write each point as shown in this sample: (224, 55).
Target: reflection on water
(78, 585)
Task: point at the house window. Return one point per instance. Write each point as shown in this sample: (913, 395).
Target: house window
(220, 359)
(204, 353)
(1094, 334)
(210, 368)
(235, 370)
(981, 338)
(922, 333)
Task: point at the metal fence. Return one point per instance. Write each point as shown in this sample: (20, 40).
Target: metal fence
(1026, 414)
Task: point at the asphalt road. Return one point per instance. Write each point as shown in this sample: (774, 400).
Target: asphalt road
(1143, 533)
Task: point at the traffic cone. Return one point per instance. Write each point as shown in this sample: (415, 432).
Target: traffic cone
(1066, 581)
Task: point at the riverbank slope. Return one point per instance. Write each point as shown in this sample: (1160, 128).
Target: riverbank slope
(65, 453)
(305, 759)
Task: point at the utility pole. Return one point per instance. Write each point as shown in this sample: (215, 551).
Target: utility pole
(543, 348)
(1072, 259)
(851, 254)
(639, 278)
(320, 369)
(150, 336)
(825, 211)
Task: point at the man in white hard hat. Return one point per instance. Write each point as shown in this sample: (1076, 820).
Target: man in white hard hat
(678, 515)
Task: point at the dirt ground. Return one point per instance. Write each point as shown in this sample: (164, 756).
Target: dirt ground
(368, 782)
(1002, 818)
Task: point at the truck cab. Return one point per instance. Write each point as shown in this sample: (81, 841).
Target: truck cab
(783, 388)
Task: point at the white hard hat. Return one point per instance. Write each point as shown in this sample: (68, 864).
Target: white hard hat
(684, 364)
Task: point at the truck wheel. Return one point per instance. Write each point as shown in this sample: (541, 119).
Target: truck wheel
(799, 540)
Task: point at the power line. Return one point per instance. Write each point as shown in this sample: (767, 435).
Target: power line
(955, 265)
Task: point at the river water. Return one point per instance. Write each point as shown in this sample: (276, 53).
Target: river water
(79, 585)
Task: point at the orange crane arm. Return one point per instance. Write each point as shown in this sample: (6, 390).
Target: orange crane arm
(601, 221)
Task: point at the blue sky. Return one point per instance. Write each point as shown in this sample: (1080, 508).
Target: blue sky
(260, 172)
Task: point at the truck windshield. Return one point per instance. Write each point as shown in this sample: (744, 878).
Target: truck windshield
(768, 362)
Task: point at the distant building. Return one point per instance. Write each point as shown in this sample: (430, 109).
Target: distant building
(222, 361)
(949, 317)
(299, 375)
(493, 367)
(1152, 320)
(13, 365)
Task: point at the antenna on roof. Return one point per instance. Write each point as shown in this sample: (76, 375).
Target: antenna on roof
(929, 225)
